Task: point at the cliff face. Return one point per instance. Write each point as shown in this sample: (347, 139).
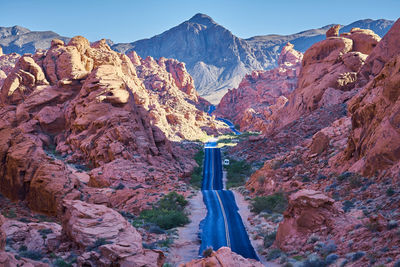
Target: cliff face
(254, 103)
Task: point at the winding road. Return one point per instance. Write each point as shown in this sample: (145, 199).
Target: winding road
(223, 225)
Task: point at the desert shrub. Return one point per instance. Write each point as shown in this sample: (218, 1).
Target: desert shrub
(237, 171)
(61, 263)
(98, 243)
(31, 254)
(44, 232)
(390, 192)
(207, 252)
(273, 203)
(168, 212)
(273, 254)
(269, 239)
(197, 175)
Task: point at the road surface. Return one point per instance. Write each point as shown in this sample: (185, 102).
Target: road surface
(223, 225)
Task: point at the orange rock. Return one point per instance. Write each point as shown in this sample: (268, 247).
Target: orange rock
(261, 94)
(333, 31)
(223, 257)
(319, 144)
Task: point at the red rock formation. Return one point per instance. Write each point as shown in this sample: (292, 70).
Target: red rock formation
(97, 113)
(373, 143)
(168, 83)
(310, 212)
(262, 93)
(86, 223)
(223, 257)
(333, 31)
(329, 73)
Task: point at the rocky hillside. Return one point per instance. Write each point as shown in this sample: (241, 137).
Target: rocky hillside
(21, 40)
(331, 160)
(262, 93)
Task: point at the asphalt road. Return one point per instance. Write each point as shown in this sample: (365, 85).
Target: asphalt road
(223, 225)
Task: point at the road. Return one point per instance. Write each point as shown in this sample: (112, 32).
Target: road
(212, 108)
(223, 225)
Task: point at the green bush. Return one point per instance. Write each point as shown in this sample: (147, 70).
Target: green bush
(31, 254)
(98, 243)
(61, 263)
(168, 212)
(237, 171)
(273, 203)
(269, 239)
(197, 174)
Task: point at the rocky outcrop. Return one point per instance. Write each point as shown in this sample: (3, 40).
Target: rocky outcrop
(255, 102)
(174, 105)
(328, 74)
(84, 105)
(384, 51)
(120, 244)
(333, 31)
(372, 145)
(223, 257)
(311, 212)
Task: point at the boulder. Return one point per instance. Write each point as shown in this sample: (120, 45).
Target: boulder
(309, 212)
(96, 227)
(333, 31)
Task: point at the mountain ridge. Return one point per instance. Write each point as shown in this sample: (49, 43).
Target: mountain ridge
(215, 57)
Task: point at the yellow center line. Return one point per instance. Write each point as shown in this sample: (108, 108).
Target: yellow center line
(228, 241)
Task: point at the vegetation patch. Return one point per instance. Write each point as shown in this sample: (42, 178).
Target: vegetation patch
(31, 254)
(237, 171)
(197, 174)
(273, 203)
(168, 212)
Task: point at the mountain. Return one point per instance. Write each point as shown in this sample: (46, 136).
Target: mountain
(218, 60)
(21, 40)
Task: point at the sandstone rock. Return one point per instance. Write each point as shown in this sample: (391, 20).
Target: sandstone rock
(18, 84)
(364, 41)
(329, 73)
(375, 122)
(168, 83)
(223, 257)
(43, 237)
(384, 51)
(309, 211)
(319, 144)
(121, 244)
(261, 94)
(333, 31)
(8, 259)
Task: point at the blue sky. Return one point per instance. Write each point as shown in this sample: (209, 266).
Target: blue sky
(127, 21)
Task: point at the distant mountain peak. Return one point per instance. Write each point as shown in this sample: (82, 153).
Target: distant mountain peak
(202, 19)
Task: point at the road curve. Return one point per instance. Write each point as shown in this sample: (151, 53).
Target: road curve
(223, 225)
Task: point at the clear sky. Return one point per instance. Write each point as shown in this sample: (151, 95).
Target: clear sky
(127, 21)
